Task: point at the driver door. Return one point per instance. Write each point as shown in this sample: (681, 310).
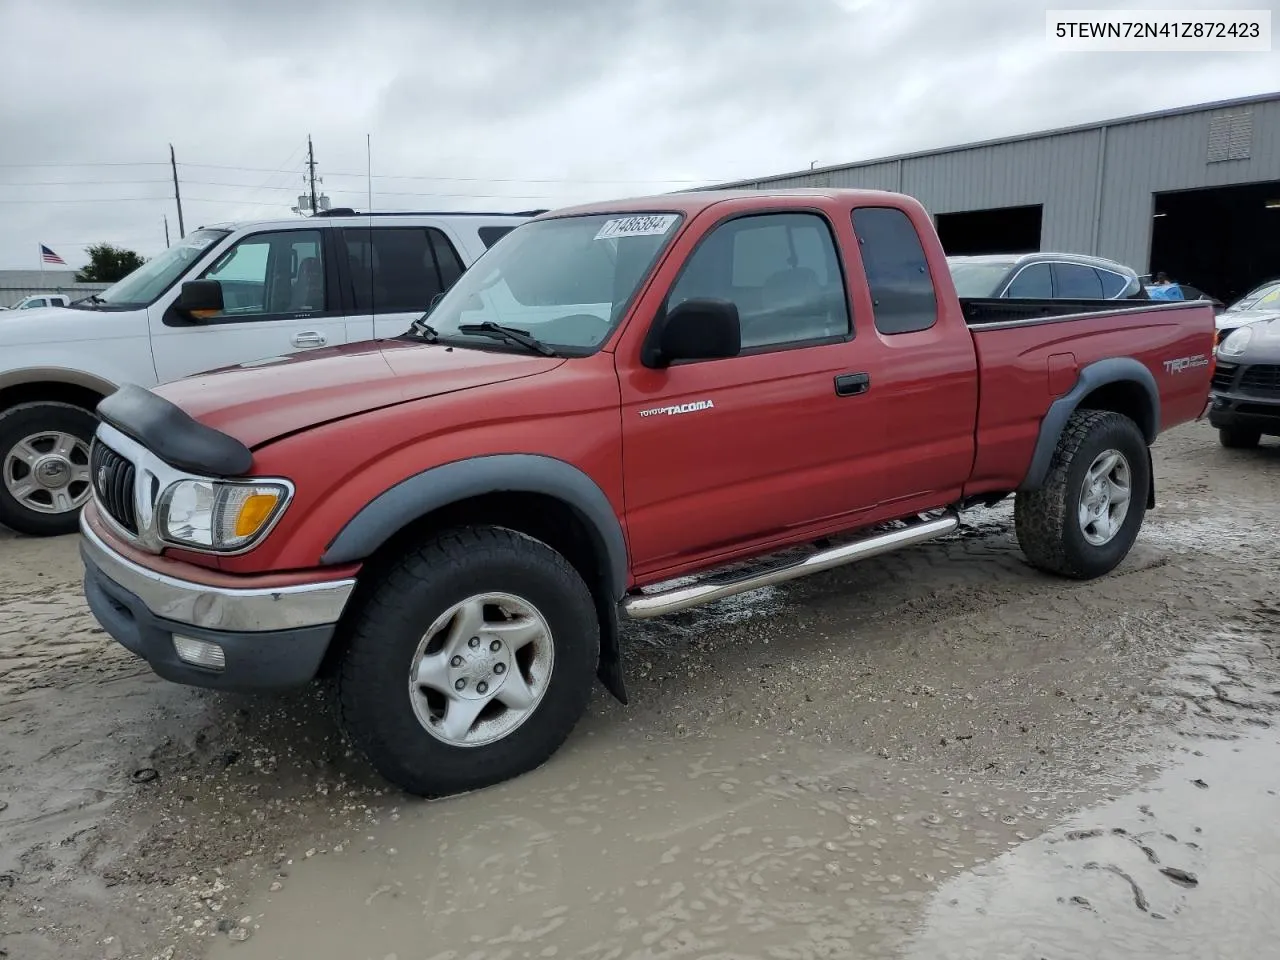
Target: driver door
(280, 296)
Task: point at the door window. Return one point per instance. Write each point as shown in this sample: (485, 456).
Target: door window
(272, 274)
(782, 272)
(399, 269)
(1032, 283)
(1075, 281)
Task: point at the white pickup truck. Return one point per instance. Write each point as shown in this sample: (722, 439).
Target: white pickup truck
(225, 295)
(38, 300)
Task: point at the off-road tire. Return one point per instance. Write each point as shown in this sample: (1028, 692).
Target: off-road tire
(20, 422)
(1239, 438)
(372, 696)
(1046, 520)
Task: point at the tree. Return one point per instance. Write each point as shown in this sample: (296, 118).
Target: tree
(108, 263)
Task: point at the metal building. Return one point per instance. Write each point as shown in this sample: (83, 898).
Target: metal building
(1193, 191)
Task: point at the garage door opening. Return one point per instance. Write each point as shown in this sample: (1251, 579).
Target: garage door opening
(998, 230)
(1223, 240)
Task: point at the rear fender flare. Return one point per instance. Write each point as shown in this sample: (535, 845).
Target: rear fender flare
(1098, 374)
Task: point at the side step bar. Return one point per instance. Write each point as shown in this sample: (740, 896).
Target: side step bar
(644, 606)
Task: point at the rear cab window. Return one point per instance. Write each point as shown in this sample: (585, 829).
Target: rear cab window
(903, 298)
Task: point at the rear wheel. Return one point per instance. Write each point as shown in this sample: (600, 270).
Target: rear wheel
(44, 467)
(1085, 518)
(1239, 438)
(470, 663)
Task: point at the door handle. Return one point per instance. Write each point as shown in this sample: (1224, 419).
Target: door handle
(311, 338)
(852, 384)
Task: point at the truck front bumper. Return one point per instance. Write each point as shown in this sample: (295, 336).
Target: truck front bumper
(205, 635)
(1245, 413)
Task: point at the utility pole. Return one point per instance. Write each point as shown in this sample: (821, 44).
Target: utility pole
(166, 231)
(177, 195)
(311, 173)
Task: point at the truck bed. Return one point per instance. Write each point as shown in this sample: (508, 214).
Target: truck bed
(983, 311)
(1031, 352)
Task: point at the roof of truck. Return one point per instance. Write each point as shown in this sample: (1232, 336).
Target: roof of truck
(695, 202)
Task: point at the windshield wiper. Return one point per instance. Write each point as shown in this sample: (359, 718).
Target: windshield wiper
(510, 334)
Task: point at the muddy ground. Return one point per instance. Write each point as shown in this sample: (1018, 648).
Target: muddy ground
(933, 754)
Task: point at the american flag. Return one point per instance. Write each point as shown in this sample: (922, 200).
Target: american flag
(48, 256)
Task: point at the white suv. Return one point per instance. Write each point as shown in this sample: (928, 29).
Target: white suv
(226, 294)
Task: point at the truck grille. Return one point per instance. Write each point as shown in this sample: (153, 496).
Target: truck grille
(1223, 375)
(1261, 378)
(113, 481)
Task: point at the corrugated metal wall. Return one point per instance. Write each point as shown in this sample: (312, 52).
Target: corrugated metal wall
(1172, 153)
(1095, 185)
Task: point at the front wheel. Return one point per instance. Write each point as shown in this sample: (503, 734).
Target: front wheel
(470, 663)
(1085, 518)
(44, 467)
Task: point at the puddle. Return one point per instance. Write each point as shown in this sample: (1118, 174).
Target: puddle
(735, 847)
(1188, 866)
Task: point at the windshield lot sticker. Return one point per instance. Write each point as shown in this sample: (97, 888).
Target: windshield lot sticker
(649, 226)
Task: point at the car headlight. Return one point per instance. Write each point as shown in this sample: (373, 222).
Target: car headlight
(1236, 343)
(220, 515)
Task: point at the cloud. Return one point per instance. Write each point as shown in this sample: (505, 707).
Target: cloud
(510, 104)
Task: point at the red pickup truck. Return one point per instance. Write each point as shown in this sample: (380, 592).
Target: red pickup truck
(451, 524)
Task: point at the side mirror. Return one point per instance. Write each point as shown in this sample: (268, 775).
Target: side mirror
(703, 329)
(199, 299)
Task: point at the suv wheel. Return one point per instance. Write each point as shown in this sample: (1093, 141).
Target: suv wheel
(44, 467)
(1238, 438)
(470, 663)
(1085, 518)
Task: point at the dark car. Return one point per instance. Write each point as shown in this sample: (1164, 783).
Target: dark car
(1245, 394)
(1044, 276)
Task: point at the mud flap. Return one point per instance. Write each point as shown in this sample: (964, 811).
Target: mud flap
(609, 670)
(1151, 482)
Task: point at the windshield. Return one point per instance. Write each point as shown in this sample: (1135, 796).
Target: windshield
(155, 276)
(1262, 298)
(565, 281)
(978, 279)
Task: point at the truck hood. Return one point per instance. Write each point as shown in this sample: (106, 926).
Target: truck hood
(263, 400)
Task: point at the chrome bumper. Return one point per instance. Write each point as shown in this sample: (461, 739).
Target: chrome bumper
(219, 608)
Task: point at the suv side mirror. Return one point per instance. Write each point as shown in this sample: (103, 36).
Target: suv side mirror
(701, 329)
(200, 298)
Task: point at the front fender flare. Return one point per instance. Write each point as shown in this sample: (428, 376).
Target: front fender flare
(419, 495)
(1095, 375)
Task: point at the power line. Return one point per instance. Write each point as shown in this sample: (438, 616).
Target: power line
(74, 183)
(392, 176)
(98, 163)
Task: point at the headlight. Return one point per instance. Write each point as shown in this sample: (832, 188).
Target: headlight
(1236, 343)
(220, 515)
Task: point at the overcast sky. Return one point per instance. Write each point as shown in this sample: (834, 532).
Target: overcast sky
(509, 104)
